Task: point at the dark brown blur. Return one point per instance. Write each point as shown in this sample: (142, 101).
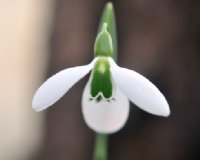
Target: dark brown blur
(158, 38)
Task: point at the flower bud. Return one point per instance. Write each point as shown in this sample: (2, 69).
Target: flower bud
(103, 44)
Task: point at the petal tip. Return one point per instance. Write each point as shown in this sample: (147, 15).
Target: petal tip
(106, 131)
(35, 107)
(166, 109)
(167, 113)
(37, 104)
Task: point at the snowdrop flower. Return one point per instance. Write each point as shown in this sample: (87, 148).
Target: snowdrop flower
(105, 100)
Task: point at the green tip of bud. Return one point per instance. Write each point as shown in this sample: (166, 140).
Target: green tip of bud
(105, 27)
(103, 44)
(109, 5)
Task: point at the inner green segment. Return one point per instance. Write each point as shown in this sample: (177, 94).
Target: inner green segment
(101, 80)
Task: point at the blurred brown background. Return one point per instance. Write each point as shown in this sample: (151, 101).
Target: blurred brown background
(158, 38)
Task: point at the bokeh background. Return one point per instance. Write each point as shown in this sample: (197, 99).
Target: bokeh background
(158, 38)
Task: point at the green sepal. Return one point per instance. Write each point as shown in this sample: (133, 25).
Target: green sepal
(103, 43)
(101, 82)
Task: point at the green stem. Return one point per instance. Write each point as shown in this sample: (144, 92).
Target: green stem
(108, 16)
(100, 152)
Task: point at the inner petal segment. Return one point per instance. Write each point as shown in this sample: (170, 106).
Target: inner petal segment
(101, 82)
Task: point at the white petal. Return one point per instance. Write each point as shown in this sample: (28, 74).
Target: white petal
(139, 90)
(56, 86)
(104, 116)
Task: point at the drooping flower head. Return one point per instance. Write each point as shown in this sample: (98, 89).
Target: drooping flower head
(105, 100)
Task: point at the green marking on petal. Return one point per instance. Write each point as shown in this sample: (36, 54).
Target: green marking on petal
(101, 83)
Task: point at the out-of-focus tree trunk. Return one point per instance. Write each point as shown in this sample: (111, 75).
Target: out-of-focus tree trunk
(24, 30)
(157, 38)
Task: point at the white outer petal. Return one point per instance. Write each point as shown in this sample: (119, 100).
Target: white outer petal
(139, 90)
(104, 116)
(57, 85)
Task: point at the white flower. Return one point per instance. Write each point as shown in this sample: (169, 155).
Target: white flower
(104, 110)
(105, 101)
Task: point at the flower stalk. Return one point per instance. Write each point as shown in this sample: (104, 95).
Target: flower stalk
(100, 152)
